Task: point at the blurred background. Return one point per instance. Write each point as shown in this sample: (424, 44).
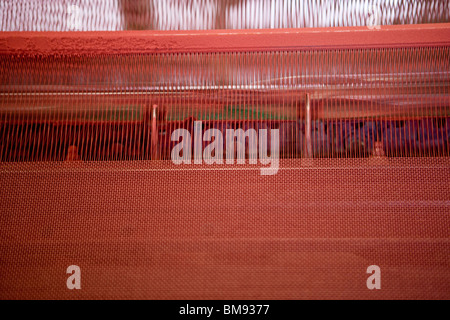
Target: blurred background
(115, 15)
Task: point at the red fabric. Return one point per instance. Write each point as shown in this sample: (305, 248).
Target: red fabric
(154, 230)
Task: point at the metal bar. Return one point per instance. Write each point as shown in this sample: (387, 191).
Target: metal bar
(154, 134)
(223, 40)
(308, 146)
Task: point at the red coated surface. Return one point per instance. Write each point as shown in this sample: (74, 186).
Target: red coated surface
(156, 230)
(223, 40)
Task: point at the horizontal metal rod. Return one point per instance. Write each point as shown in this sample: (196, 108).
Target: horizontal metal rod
(122, 42)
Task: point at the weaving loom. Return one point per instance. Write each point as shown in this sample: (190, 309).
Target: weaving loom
(355, 117)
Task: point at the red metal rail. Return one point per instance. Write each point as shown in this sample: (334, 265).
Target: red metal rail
(223, 40)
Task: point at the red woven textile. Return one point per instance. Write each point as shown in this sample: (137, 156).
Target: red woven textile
(155, 230)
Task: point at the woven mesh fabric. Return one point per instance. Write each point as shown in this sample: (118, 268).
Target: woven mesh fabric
(160, 231)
